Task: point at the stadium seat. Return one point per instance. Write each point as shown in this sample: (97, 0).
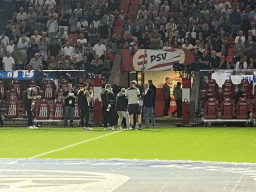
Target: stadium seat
(43, 110)
(77, 111)
(17, 86)
(210, 93)
(242, 108)
(49, 91)
(59, 94)
(226, 93)
(228, 85)
(32, 83)
(58, 109)
(211, 109)
(2, 89)
(11, 110)
(254, 109)
(246, 86)
(213, 85)
(64, 85)
(24, 112)
(12, 94)
(227, 109)
(79, 85)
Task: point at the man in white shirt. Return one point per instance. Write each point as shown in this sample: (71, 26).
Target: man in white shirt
(21, 16)
(52, 27)
(4, 38)
(240, 35)
(50, 3)
(8, 62)
(36, 37)
(100, 49)
(68, 50)
(10, 47)
(242, 64)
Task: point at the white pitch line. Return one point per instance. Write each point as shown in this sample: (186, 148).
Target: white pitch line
(62, 148)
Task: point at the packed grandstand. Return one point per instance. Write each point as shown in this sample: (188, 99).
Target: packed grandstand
(73, 41)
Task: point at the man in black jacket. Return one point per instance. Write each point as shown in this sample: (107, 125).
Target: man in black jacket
(121, 109)
(153, 88)
(148, 105)
(107, 106)
(84, 98)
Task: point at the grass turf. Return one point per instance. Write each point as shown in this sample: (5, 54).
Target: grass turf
(169, 143)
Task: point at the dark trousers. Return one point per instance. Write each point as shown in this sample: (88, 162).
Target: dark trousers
(166, 105)
(107, 117)
(178, 109)
(85, 114)
(30, 115)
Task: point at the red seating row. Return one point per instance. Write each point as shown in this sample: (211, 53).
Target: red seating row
(228, 109)
(41, 109)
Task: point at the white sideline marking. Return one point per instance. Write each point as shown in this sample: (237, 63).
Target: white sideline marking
(62, 148)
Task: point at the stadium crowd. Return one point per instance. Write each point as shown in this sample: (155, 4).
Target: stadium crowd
(79, 34)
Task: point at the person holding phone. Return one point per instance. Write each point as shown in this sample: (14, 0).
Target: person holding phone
(69, 97)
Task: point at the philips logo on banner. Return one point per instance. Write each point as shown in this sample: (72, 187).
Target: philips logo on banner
(18, 75)
(248, 77)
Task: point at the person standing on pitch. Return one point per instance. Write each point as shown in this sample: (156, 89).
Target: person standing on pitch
(31, 95)
(69, 97)
(121, 109)
(107, 106)
(153, 88)
(84, 98)
(148, 105)
(166, 94)
(177, 92)
(133, 95)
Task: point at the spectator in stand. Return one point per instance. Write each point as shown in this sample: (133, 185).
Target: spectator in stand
(3, 38)
(153, 88)
(252, 14)
(93, 34)
(105, 31)
(239, 49)
(186, 45)
(43, 46)
(63, 63)
(52, 64)
(21, 16)
(242, 64)
(36, 62)
(129, 27)
(155, 41)
(8, 62)
(69, 97)
(62, 35)
(142, 11)
(36, 36)
(18, 58)
(73, 23)
(54, 49)
(144, 41)
(214, 61)
(235, 21)
(68, 50)
(50, 4)
(250, 48)
(52, 27)
(100, 49)
(32, 49)
(10, 47)
(78, 55)
(31, 16)
(216, 44)
(23, 46)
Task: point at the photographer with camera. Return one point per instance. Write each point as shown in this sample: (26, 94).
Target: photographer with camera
(69, 97)
(31, 96)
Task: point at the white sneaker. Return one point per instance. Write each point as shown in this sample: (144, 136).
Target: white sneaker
(119, 128)
(112, 128)
(105, 128)
(83, 128)
(89, 128)
(35, 127)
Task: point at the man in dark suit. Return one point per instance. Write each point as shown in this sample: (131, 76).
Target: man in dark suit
(166, 94)
(153, 88)
(148, 105)
(214, 61)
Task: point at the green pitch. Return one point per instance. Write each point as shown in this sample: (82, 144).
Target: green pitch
(165, 143)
